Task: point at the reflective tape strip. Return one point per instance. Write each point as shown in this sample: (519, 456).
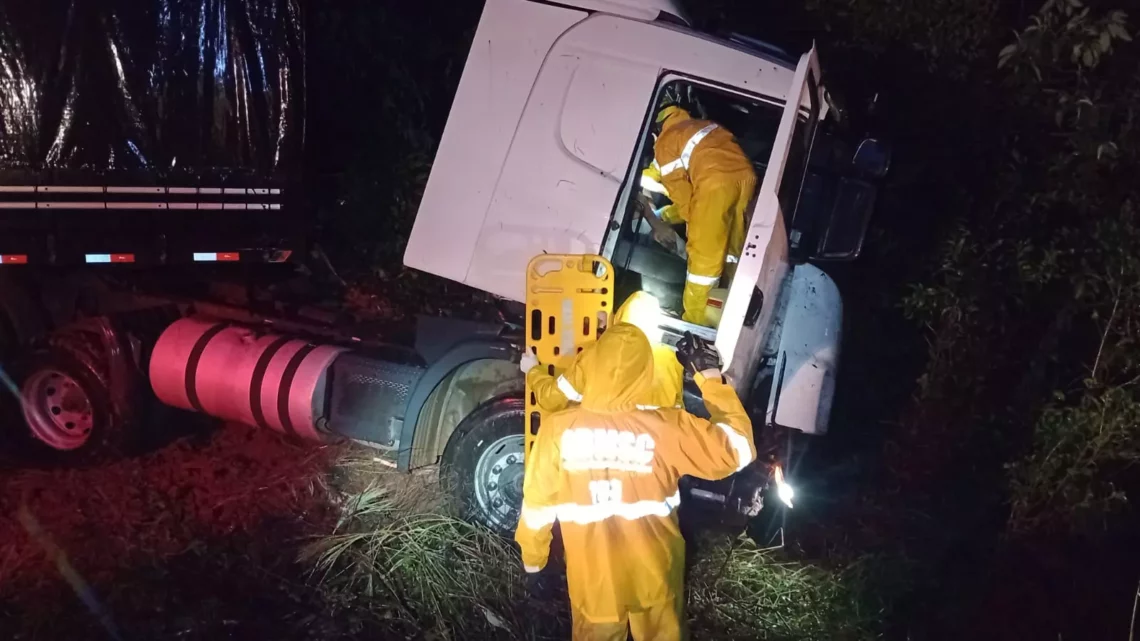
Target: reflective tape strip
(136, 205)
(701, 280)
(687, 152)
(70, 205)
(739, 444)
(136, 190)
(538, 517)
(671, 167)
(568, 390)
(535, 518)
(13, 259)
(580, 466)
(209, 257)
(47, 189)
(732, 260)
(59, 204)
(648, 184)
(91, 189)
(646, 408)
(109, 258)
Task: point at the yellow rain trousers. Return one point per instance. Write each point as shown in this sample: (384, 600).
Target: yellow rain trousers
(607, 472)
(553, 394)
(711, 182)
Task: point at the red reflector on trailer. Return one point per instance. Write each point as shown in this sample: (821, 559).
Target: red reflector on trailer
(122, 258)
(209, 257)
(13, 259)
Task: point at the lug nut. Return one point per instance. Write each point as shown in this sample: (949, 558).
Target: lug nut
(511, 459)
(497, 469)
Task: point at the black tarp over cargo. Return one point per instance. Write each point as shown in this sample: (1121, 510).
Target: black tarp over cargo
(158, 128)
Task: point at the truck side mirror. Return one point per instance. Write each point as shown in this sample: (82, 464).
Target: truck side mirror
(872, 158)
(842, 230)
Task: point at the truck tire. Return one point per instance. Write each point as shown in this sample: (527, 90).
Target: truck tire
(66, 408)
(482, 463)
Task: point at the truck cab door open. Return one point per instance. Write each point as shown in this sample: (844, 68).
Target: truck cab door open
(794, 312)
(753, 296)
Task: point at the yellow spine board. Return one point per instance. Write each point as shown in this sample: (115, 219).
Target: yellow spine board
(569, 297)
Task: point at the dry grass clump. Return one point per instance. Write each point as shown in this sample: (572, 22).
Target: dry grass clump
(398, 543)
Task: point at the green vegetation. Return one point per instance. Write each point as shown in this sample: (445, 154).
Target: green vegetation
(398, 546)
(993, 317)
(441, 573)
(996, 311)
(738, 590)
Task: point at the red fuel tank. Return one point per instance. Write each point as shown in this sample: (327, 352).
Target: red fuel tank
(239, 374)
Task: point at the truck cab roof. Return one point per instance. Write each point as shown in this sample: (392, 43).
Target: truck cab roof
(550, 113)
(641, 9)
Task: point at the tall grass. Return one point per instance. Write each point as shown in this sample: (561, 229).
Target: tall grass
(413, 559)
(399, 548)
(738, 590)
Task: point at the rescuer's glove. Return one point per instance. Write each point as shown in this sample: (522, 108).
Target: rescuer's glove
(528, 361)
(698, 356)
(541, 585)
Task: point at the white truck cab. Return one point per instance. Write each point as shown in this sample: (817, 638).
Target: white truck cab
(543, 151)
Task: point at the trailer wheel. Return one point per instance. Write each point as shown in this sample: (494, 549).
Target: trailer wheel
(483, 463)
(67, 411)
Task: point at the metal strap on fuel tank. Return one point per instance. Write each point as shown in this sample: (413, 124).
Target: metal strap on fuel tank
(259, 371)
(192, 364)
(286, 383)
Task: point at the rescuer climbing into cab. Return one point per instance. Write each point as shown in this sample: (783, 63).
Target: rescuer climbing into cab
(710, 181)
(640, 309)
(608, 469)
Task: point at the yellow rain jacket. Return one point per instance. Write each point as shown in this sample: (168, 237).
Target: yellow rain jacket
(710, 181)
(553, 394)
(608, 473)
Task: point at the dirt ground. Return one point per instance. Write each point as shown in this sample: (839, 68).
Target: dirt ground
(196, 541)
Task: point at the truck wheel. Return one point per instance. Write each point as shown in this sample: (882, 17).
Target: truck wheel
(483, 463)
(66, 409)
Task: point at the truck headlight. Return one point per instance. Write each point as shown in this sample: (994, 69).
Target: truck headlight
(783, 490)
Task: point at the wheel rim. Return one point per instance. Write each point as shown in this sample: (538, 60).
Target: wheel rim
(57, 409)
(499, 480)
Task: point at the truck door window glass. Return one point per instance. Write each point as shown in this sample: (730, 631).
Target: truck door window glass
(648, 264)
(798, 156)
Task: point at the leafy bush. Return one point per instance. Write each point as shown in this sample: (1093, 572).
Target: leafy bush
(1065, 480)
(1034, 301)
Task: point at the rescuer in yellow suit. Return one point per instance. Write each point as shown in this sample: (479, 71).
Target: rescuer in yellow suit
(607, 472)
(640, 309)
(711, 182)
